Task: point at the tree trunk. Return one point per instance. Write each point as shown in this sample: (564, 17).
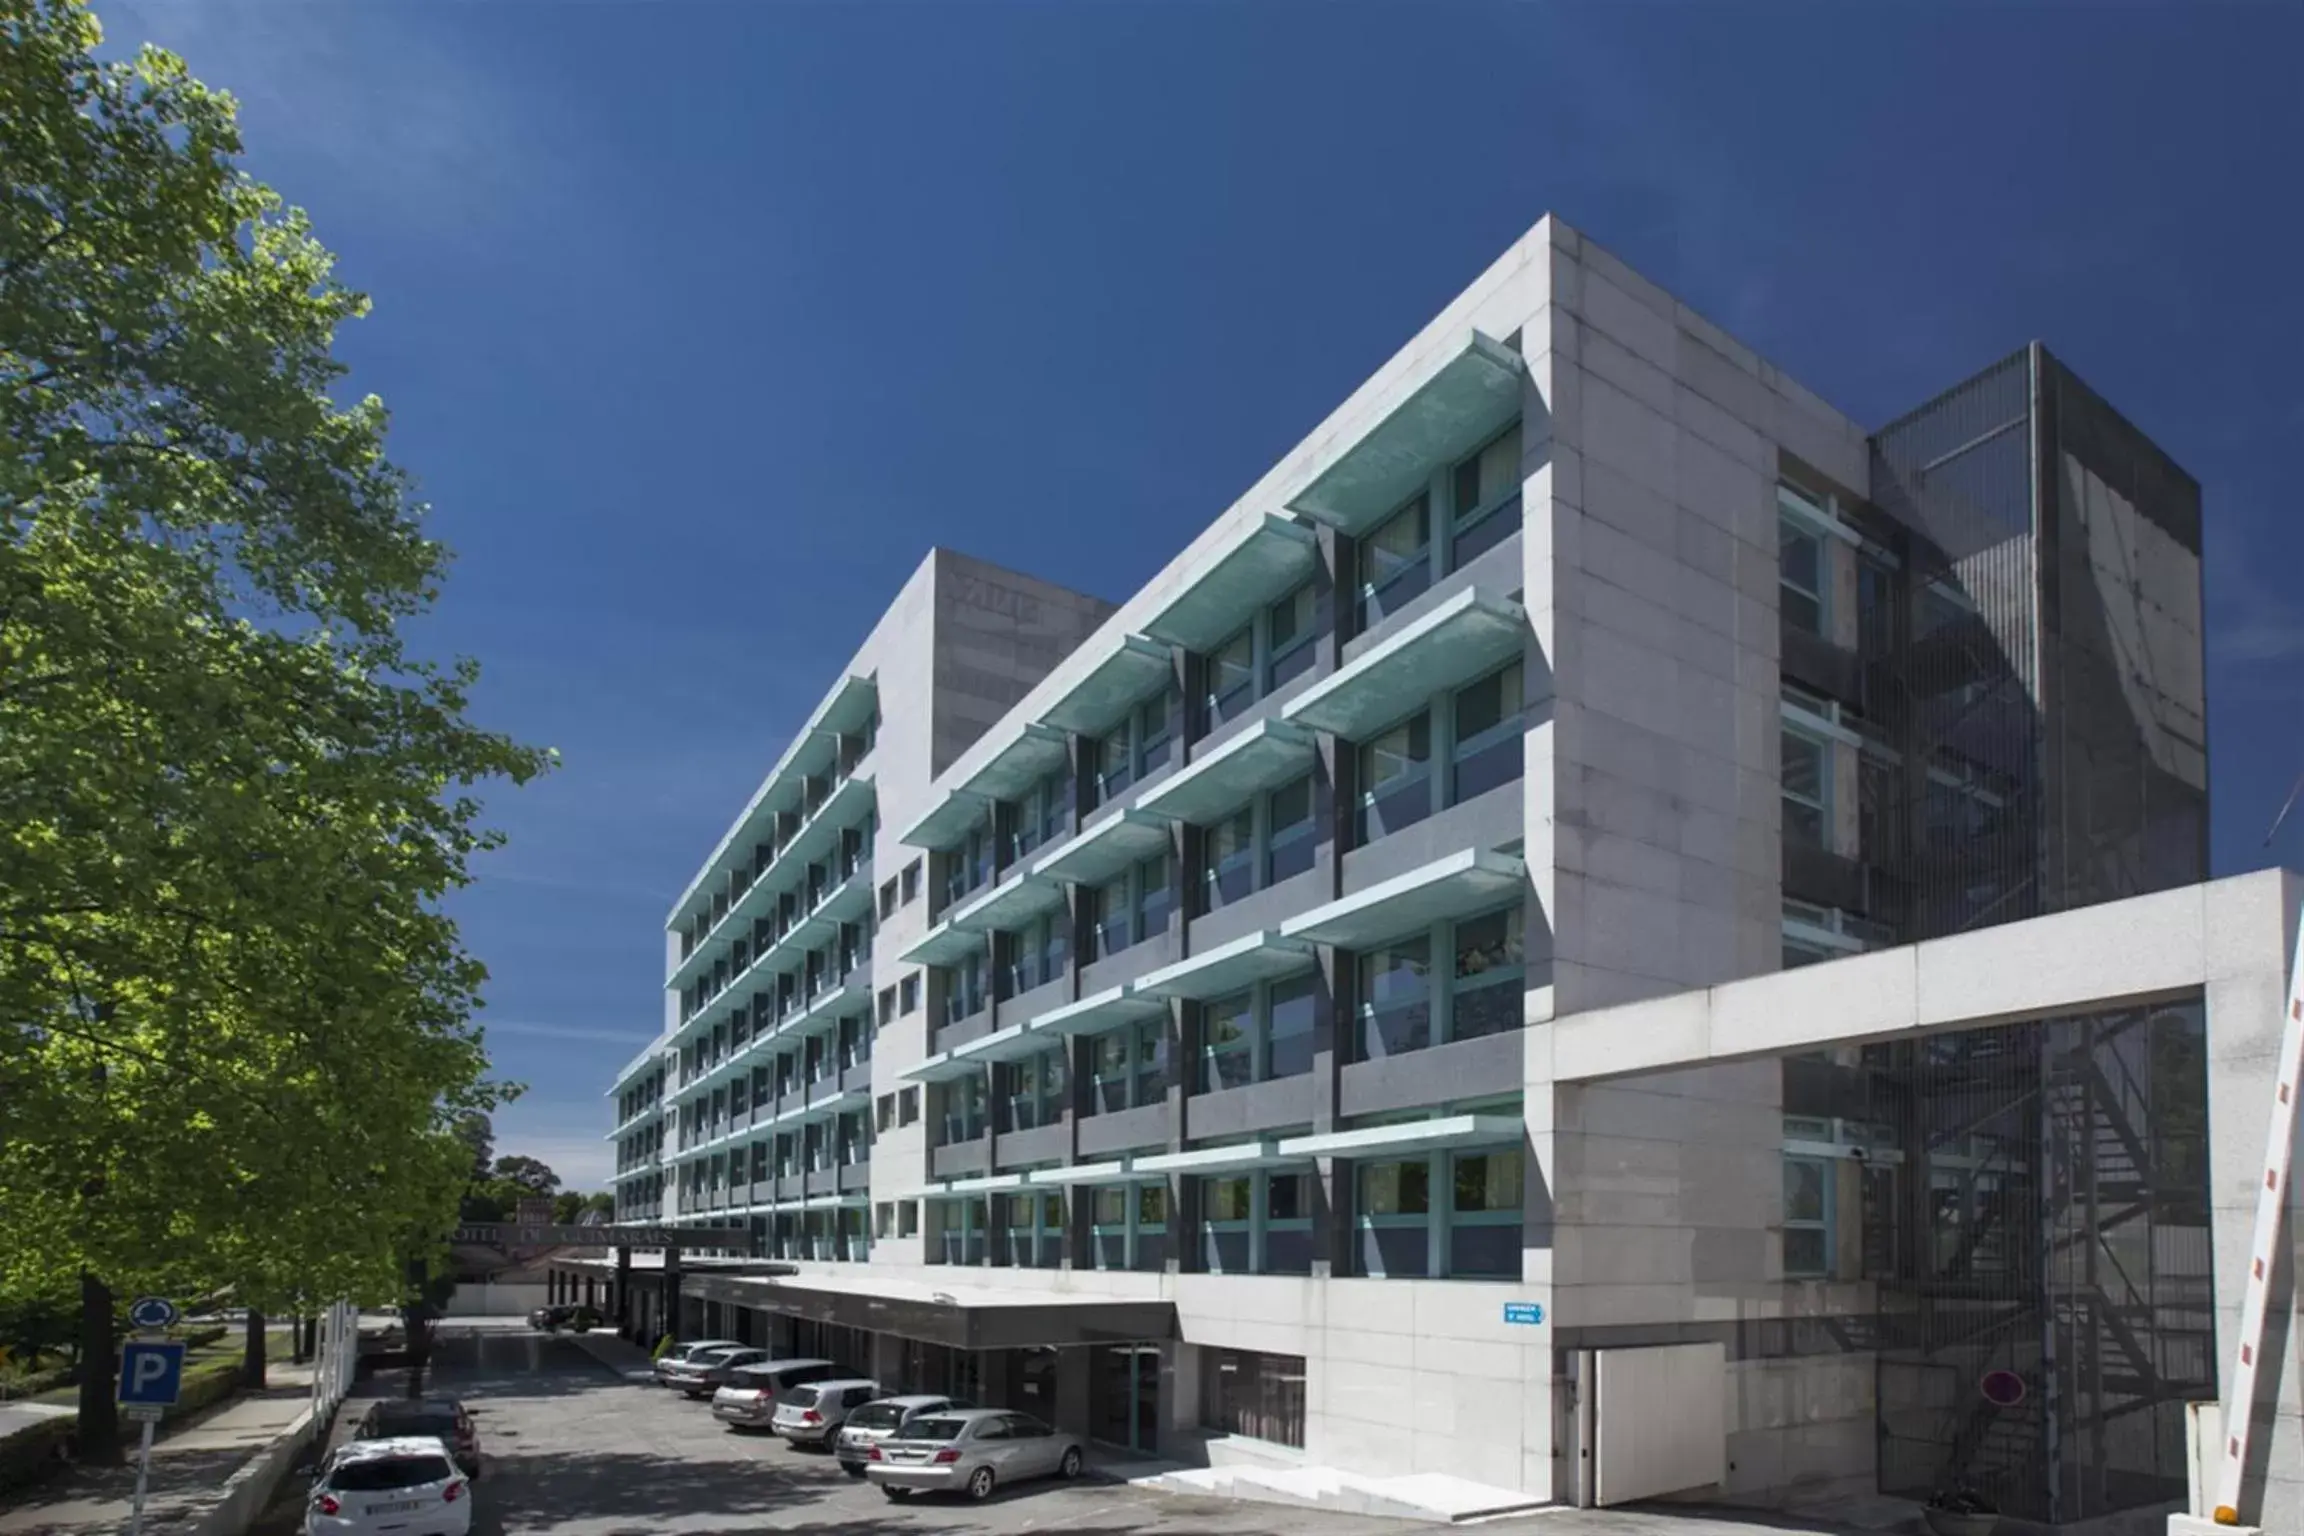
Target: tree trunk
(307, 1338)
(417, 1323)
(252, 1354)
(99, 1369)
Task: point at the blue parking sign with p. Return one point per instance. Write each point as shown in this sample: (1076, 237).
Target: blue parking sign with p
(151, 1373)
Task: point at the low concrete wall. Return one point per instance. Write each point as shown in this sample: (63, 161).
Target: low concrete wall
(247, 1493)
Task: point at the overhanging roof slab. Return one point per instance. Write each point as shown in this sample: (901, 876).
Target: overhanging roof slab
(1270, 558)
(1470, 396)
(1455, 886)
(1455, 642)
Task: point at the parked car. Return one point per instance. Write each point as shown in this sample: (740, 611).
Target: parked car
(701, 1374)
(884, 1419)
(579, 1319)
(680, 1354)
(748, 1398)
(443, 1418)
(971, 1451)
(813, 1413)
(370, 1487)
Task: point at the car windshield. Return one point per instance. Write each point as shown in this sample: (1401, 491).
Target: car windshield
(936, 1428)
(877, 1416)
(378, 1474)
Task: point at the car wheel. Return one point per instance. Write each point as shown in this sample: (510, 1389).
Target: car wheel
(852, 1468)
(1069, 1467)
(980, 1483)
(896, 1495)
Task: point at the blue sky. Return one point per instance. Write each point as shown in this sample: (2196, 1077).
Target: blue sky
(675, 300)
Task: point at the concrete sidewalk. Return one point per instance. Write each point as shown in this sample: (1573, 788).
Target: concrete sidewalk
(190, 1463)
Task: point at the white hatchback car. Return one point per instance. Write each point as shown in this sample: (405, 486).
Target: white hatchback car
(405, 1486)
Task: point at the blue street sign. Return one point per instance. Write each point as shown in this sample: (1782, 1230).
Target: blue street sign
(1527, 1313)
(150, 1372)
(152, 1312)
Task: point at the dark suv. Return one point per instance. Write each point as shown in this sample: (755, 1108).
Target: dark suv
(443, 1418)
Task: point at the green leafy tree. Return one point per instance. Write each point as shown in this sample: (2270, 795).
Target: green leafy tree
(236, 1034)
(527, 1174)
(571, 1206)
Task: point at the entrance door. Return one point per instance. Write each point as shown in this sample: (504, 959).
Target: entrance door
(1124, 1396)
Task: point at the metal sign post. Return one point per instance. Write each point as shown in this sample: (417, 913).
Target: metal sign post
(151, 1375)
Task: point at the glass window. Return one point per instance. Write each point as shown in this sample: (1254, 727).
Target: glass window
(1396, 998)
(1396, 778)
(1113, 915)
(1489, 968)
(1156, 902)
(1111, 1061)
(1155, 729)
(1151, 1234)
(1489, 734)
(1232, 858)
(1227, 1225)
(1807, 765)
(1486, 499)
(1396, 561)
(1291, 836)
(1288, 1031)
(1259, 1396)
(1294, 625)
(1151, 1084)
(1393, 1217)
(1228, 1043)
(1288, 1224)
(1115, 765)
(1232, 677)
(1807, 1216)
(1484, 1218)
(1801, 569)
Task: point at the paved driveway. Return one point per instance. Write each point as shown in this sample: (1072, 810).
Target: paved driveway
(576, 1450)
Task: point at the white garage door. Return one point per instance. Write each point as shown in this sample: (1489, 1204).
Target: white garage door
(1660, 1418)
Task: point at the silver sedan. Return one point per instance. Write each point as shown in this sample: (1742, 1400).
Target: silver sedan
(971, 1451)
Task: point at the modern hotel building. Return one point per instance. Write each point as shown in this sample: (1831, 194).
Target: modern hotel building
(1151, 1013)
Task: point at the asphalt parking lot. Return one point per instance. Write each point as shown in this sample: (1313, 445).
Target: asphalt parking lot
(574, 1449)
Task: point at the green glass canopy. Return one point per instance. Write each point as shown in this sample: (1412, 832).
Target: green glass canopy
(1036, 753)
(948, 821)
(1014, 1043)
(939, 1068)
(1262, 1153)
(1269, 558)
(1134, 668)
(1458, 885)
(1100, 852)
(1207, 789)
(1229, 968)
(1011, 904)
(1108, 1009)
(1456, 641)
(1470, 396)
(1118, 1172)
(1408, 1136)
(944, 944)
